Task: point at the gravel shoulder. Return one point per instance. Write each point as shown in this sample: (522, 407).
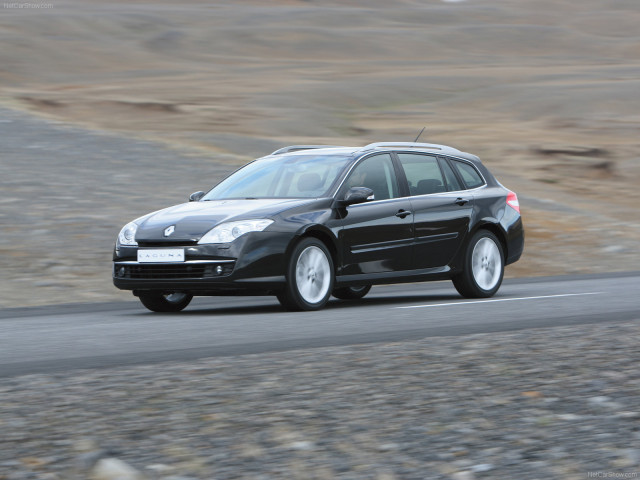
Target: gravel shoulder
(543, 403)
(67, 191)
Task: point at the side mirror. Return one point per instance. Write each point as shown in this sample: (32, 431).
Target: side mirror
(195, 196)
(358, 195)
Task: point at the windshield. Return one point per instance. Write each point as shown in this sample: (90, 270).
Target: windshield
(293, 176)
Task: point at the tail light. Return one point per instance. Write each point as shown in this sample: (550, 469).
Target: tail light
(512, 201)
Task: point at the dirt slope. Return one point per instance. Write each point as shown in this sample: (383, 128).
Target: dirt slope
(545, 92)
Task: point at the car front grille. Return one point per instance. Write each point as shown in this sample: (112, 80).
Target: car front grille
(168, 271)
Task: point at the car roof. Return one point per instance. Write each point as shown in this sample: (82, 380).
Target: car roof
(372, 147)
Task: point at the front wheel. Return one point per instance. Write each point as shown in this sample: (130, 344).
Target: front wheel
(483, 267)
(351, 293)
(165, 302)
(309, 276)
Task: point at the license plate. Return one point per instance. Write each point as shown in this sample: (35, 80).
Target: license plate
(161, 255)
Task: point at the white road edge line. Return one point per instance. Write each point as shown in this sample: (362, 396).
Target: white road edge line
(501, 300)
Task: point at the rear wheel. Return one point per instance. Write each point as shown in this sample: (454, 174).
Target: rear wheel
(483, 267)
(351, 293)
(165, 302)
(309, 276)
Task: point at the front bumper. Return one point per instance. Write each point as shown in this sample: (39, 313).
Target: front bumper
(253, 263)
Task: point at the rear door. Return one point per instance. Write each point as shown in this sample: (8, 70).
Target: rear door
(376, 236)
(441, 209)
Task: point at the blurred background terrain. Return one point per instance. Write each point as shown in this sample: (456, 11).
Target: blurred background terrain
(111, 110)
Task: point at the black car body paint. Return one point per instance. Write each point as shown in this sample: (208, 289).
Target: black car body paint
(408, 237)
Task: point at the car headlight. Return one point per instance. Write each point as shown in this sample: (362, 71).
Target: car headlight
(228, 232)
(127, 235)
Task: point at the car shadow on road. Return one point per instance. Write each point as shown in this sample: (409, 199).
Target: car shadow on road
(270, 306)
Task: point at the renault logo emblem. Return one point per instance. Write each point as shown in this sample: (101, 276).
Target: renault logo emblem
(169, 230)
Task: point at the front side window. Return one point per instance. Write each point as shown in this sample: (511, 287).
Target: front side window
(423, 173)
(470, 175)
(376, 173)
(292, 176)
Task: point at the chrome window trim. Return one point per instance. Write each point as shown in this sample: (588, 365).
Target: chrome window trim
(449, 193)
(377, 201)
(409, 197)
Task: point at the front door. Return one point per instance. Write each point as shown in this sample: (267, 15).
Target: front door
(377, 236)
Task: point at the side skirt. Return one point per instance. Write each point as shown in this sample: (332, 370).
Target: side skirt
(406, 276)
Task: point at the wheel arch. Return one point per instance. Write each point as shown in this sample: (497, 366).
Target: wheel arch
(323, 234)
(494, 227)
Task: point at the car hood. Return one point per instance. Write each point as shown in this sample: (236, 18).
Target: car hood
(192, 220)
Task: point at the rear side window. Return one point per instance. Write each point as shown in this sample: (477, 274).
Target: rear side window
(469, 175)
(452, 182)
(423, 173)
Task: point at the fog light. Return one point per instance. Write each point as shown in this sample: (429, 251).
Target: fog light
(121, 272)
(219, 270)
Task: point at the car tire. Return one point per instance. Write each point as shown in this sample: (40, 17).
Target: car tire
(165, 302)
(310, 276)
(483, 268)
(351, 293)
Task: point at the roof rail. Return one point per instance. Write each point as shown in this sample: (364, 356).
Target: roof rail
(295, 148)
(430, 146)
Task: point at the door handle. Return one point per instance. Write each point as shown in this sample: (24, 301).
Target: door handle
(461, 201)
(403, 213)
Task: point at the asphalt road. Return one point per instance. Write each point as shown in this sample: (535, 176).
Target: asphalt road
(59, 338)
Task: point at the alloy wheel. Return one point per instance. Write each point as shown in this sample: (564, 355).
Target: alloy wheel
(313, 274)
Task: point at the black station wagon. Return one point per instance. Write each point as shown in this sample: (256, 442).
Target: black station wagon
(309, 221)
